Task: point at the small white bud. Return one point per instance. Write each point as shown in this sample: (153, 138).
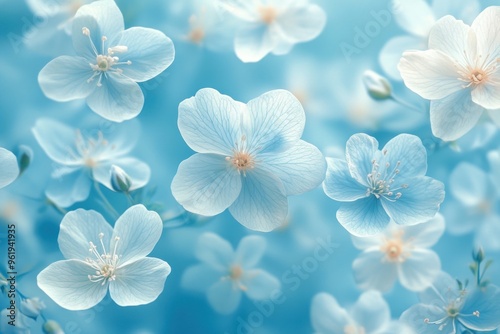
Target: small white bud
(120, 181)
(376, 85)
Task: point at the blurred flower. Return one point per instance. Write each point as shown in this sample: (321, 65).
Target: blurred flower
(377, 185)
(32, 307)
(224, 273)
(462, 63)
(8, 167)
(52, 327)
(82, 281)
(400, 253)
(250, 157)
(273, 26)
(85, 158)
(446, 308)
(109, 64)
(369, 315)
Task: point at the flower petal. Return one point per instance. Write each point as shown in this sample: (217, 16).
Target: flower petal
(149, 50)
(260, 284)
(139, 282)
(414, 16)
(419, 270)
(9, 169)
(444, 290)
(418, 203)
(371, 311)
(302, 22)
(69, 188)
(78, 229)
(339, 185)
(469, 184)
(487, 234)
(65, 78)
(206, 184)
(262, 204)
(224, 297)
(415, 317)
(199, 278)
(273, 122)
(68, 284)
(250, 251)
(410, 152)
(454, 115)
(487, 95)
(138, 230)
(451, 36)
(486, 28)
(485, 301)
(137, 171)
(214, 251)
(300, 168)
(359, 152)
(431, 74)
(209, 122)
(253, 42)
(327, 316)
(372, 271)
(363, 217)
(495, 116)
(393, 50)
(426, 234)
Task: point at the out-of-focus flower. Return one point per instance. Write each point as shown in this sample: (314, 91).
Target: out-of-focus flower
(9, 169)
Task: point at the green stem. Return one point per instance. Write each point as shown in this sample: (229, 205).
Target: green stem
(478, 276)
(129, 198)
(105, 201)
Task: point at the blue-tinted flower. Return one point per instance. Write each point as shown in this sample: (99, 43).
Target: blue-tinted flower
(85, 158)
(273, 26)
(369, 315)
(98, 257)
(109, 63)
(446, 308)
(459, 73)
(224, 274)
(250, 157)
(377, 185)
(400, 253)
(9, 170)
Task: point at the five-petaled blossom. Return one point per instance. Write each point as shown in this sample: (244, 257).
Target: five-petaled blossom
(100, 257)
(83, 158)
(379, 185)
(401, 252)
(273, 26)
(250, 157)
(460, 73)
(446, 307)
(224, 274)
(9, 170)
(109, 63)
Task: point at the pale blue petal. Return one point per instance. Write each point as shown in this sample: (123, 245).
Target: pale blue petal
(262, 204)
(373, 271)
(327, 317)
(415, 318)
(426, 234)
(393, 50)
(78, 229)
(360, 151)
(469, 184)
(118, 99)
(137, 171)
(414, 16)
(339, 184)
(363, 217)
(409, 152)
(200, 277)
(214, 251)
(69, 189)
(273, 122)
(419, 270)
(206, 184)
(371, 311)
(478, 137)
(8, 167)
(487, 234)
(302, 23)
(138, 230)
(454, 115)
(253, 42)
(250, 251)
(444, 290)
(300, 168)
(260, 284)
(418, 203)
(67, 283)
(149, 50)
(209, 122)
(460, 219)
(66, 78)
(224, 296)
(486, 301)
(139, 282)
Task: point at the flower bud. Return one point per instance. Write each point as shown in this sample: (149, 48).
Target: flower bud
(31, 307)
(24, 157)
(52, 327)
(376, 85)
(479, 255)
(120, 181)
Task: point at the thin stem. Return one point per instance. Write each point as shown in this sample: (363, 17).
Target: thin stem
(129, 198)
(405, 104)
(105, 201)
(58, 208)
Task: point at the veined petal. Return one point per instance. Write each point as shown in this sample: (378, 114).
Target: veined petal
(419, 270)
(8, 167)
(78, 229)
(454, 115)
(209, 122)
(488, 31)
(444, 290)
(214, 251)
(469, 184)
(118, 99)
(371, 311)
(253, 42)
(138, 230)
(327, 316)
(359, 152)
(300, 168)
(250, 251)
(206, 184)
(302, 22)
(426, 234)
(487, 95)
(484, 301)
(410, 152)
(139, 282)
(66, 78)
(224, 296)
(431, 74)
(415, 317)
(149, 50)
(339, 185)
(451, 36)
(137, 171)
(363, 217)
(67, 283)
(414, 16)
(69, 189)
(393, 50)
(199, 277)
(373, 271)
(260, 284)
(262, 204)
(273, 122)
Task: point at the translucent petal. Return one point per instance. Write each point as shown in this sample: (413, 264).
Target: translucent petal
(487, 95)
(206, 184)
(214, 251)
(327, 316)
(450, 36)
(495, 116)
(199, 278)
(260, 284)
(373, 271)
(302, 23)
(425, 234)
(250, 251)
(67, 283)
(415, 317)
(409, 151)
(253, 42)
(139, 282)
(8, 167)
(487, 234)
(360, 151)
(224, 296)
(460, 219)
(444, 290)
(371, 311)
(339, 184)
(393, 50)
(414, 16)
(419, 270)
(486, 302)
(69, 189)
(137, 171)
(363, 217)
(469, 184)
(488, 31)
